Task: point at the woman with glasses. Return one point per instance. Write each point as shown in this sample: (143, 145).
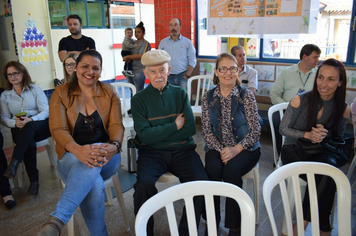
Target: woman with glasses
(86, 123)
(68, 68)
(24, 109)
(231, 131)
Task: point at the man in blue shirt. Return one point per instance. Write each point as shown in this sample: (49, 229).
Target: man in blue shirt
(182, 52)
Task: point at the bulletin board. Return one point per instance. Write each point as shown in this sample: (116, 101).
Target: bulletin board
(259, 17)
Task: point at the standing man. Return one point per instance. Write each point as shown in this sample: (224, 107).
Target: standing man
(75, 42)
(164, 125)
(294, 80)
(248, 75)
(182, 52)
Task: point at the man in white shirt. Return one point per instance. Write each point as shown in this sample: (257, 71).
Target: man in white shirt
(248, 75)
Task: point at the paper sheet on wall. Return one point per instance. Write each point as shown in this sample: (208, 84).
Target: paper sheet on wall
(258, 17)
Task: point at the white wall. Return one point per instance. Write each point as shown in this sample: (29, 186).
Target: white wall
(41, 73)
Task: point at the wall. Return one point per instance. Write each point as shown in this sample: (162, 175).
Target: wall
(8, 55)
(41, 73)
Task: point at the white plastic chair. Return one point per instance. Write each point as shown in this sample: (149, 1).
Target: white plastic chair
(203, 85)
(187, 191)
(168, 177)
(52, 155)
(125, 102)
(254, 174)
(293, 171)
(114, 182)
(276, 108)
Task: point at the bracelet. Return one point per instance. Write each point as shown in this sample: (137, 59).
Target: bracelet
(188, 76)
(117, 144)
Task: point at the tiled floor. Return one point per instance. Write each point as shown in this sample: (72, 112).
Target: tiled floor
(32, 211)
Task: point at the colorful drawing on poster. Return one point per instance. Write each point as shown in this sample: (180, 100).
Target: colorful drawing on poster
(7, 8)
(33, 46)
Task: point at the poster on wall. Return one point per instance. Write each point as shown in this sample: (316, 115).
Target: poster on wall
(7, 8)
(34, 44)
(259, 17)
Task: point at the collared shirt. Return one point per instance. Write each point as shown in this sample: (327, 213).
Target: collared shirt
(182, 53)
(289, 81)
(249, 75)
(33, 101)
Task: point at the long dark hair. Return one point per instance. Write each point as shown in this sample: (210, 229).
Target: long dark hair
(315, 101)
(65, 73)
(26, 78)
(73, 83)
(220, 57)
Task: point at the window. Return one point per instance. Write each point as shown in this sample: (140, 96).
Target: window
(332, 36)
(123, 15)
(93, 13)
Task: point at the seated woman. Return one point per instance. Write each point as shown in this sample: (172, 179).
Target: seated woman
(68, 68)
(315, 115)
(231, 131)
(22, 96)
(86, 123)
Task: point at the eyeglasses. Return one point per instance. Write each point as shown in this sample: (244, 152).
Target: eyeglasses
(161, 71)
(224, 69)
(89, 120)
(70, 64)
(15, 75)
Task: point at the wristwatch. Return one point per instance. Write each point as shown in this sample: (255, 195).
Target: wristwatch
(188, 76)
(117, 144)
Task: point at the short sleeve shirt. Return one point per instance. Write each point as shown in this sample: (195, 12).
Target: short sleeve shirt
(71, 44)
(142, 47)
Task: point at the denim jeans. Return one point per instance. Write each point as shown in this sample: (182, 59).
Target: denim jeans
(138, 80)
(84, 187)
(178, 80)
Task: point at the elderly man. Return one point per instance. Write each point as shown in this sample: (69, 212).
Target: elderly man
(248, 75)
(164, 125)
(75, 42)
(182, 53)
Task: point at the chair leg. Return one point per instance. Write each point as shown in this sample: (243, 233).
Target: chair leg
(109, 195)
(120, 199)
(256, 172)
(11, 183)
(70, 226)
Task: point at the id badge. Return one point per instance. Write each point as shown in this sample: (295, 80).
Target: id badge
(300, 91)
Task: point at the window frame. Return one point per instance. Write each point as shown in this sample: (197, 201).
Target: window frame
(104, 20)
(350, 58)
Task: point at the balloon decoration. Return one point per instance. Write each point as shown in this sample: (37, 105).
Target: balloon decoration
(33, 46)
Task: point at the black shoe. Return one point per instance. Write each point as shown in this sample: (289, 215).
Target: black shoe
(10, 204)
(33, 189)
(10, 172)
(234, 232)
(129, 111)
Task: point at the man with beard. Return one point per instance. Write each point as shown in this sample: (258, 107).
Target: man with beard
(182, 52)
(75, 42)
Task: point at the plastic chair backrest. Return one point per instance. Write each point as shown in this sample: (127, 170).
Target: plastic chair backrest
(293, 170)
(125, 95)
(203, 84)
(187, 191)
(276, 108)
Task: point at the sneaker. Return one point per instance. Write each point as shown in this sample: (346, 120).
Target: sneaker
(129, 73)
(123, 72)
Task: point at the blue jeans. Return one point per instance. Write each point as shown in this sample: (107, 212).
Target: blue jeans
(138, 80)
(178, 80)
(84, 187)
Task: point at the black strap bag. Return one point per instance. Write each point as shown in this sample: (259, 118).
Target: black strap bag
(334, 151)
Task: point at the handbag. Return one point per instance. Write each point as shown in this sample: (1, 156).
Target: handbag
(336, 150)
